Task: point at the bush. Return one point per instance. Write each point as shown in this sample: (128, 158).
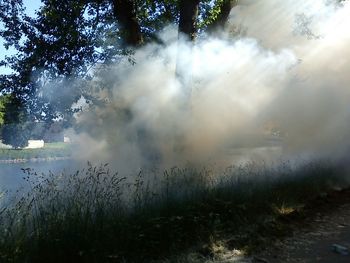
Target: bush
(16, 135)
(15, 131)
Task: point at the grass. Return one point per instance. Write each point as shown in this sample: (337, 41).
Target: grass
(49, 150)
(95, 215)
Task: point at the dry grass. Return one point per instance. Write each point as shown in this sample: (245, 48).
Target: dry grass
(95, 215)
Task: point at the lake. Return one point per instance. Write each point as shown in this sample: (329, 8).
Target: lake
(11, 174)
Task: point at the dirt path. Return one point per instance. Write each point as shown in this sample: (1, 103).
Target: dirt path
(312, 238)
(325, 222)
(315, 242)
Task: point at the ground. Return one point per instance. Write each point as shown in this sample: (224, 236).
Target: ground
(313, 238)
(322, 224)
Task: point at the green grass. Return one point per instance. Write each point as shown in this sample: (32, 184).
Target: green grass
(95, 215)
(49, 150)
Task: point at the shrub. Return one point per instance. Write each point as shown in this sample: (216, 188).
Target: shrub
(16, 135)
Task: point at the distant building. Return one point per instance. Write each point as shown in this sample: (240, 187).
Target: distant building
(32, 144)
(35, 144)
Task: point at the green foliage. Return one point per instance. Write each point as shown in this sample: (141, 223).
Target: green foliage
(211, 12)
(14, 111)
(15, 134)
(14, 130)
(4, 100)
(60, 43)
(67, 38)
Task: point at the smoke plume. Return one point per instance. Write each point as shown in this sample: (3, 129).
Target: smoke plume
(275, 84)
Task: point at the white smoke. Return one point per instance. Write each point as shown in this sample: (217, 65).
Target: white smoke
(289, 71)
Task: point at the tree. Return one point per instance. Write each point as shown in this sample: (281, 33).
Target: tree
(222, 11)
(14, 129)
(67, 38)
(3, 101)
(188, 18)
(16, 135)
(187, 34)
(125, 12)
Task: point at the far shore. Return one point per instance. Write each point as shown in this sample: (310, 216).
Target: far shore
(39, 159)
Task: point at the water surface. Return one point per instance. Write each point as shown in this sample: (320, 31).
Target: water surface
(11, 174)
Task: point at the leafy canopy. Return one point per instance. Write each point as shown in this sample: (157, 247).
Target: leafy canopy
(67, 38)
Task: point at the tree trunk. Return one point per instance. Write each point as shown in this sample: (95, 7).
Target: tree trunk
(188, 18)
(124, 11)
(187, 35)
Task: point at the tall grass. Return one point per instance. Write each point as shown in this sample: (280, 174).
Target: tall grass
(95, 215)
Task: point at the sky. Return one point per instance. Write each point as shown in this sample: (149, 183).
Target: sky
(31, 6)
